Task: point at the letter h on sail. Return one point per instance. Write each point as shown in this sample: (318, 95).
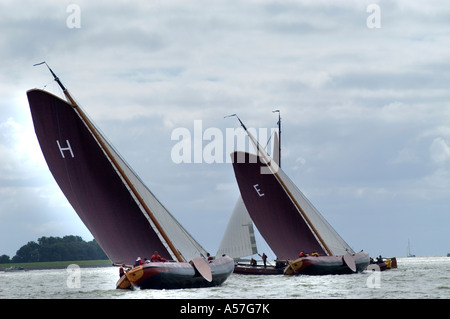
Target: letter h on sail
(62, 149)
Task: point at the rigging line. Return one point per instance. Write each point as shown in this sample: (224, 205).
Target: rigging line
(47, 84)
(268, 140)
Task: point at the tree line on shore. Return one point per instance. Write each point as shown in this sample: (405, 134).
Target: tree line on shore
(56, 249)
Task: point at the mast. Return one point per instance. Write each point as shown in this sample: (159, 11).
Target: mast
(116, 165)
(274, 170)
(279, 136)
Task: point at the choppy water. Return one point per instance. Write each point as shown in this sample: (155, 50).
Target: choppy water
(419, 277)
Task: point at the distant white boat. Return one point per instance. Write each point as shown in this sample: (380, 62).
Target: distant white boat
(408, 252)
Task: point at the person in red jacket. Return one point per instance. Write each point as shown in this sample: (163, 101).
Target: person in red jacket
(138, 262)
(156, 257)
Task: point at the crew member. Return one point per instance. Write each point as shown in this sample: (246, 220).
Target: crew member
(156, 257)
(264, 258)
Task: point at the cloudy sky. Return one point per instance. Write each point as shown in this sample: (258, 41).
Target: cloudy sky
(364, 101)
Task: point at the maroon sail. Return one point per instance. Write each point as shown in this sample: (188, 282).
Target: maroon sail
(123, 215)
(272, 211)
(90, 182)
(287, 220)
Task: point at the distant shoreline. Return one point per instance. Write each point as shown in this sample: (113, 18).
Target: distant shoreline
(58, 264)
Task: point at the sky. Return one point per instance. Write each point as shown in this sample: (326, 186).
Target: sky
(362, 87)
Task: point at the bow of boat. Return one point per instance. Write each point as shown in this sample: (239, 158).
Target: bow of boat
(176, 275)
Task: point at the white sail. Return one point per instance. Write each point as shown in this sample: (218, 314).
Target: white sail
(335, 243)
(239, 237)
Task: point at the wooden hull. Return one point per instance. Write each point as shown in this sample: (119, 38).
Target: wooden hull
(389, 263)
(247, 269)
(123, 283)
(326, 265)
(176, 275)
(257, 270)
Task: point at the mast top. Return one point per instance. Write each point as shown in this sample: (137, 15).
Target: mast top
(65, 91)
(279, 118)
(54, 75)
(242, 124)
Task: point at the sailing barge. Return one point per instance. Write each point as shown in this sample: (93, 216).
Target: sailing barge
(122, 214)
(239, 241)
(288, 221)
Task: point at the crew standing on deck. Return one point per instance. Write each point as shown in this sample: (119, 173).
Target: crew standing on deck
(138, 262)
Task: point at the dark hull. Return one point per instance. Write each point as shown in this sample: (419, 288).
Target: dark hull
(169, 275)
(330, 265)
(257, 270)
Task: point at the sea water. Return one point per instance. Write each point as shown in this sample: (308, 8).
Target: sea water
(415, 278)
